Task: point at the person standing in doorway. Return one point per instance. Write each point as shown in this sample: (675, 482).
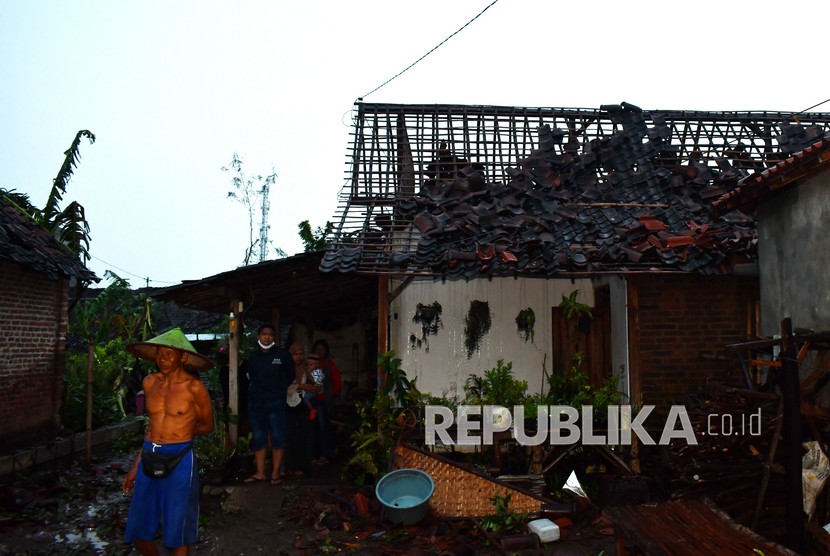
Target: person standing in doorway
(298, 428)
(323, 402)
(270, 370)
(179, 408)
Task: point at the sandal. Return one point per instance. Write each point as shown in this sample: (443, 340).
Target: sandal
(253, 479)
(276, 481)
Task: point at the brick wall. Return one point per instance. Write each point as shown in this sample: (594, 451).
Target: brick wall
(684, 323)
(33, 321)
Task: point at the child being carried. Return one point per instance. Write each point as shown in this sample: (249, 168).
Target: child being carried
(316, 375)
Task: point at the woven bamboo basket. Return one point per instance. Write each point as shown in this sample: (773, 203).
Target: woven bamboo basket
(461, 492)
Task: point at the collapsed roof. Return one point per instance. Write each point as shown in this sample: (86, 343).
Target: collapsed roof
(467, 191)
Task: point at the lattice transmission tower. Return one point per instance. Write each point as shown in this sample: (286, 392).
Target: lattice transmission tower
(264, 226)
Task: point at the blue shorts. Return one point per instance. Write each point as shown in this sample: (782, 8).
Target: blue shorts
(173, 501)
(265, 422)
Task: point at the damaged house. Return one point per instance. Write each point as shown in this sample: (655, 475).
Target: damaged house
(479, 229)
(474, 217)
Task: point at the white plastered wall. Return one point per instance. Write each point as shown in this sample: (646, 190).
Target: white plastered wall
(619, 331)
(443, 369)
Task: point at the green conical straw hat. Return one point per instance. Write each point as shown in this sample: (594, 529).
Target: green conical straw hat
(174, 339)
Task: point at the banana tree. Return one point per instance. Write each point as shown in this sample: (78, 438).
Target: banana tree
(68, 225)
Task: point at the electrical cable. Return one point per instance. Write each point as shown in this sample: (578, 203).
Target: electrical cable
(428, 53)
(145, 278)
(814, 106)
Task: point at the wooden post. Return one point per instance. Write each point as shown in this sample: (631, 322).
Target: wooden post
(790, 387)
(634, 388)
(383, 323)
(233, 370)
(776, 437)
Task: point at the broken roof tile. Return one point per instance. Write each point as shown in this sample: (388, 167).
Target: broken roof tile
(627, 200)
(651, 223)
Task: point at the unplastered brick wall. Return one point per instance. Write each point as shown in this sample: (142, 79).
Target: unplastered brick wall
(33, 323)
(685, 322)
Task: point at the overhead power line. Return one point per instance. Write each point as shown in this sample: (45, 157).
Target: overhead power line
(815, 105)
(430, 52)
(144, 278)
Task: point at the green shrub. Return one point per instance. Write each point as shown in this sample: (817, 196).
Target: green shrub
(372, 441)
(111, 366)
(379, 419)
(503, 521)
(496, 387)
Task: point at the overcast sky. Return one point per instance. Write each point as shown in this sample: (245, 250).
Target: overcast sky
(173, 89)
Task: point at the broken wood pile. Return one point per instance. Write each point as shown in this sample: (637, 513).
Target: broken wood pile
(349, 519)
(734, 429)
(686, 527)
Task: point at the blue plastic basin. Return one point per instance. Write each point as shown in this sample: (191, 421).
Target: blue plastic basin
(405, 494)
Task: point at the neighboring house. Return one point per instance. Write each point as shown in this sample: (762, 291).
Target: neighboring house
(792, 200)
(36, 277)
(518, 207)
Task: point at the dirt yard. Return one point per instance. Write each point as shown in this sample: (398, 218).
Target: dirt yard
(76, 510)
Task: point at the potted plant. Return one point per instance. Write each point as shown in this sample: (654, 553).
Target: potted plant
(476, 325)
(525, 322)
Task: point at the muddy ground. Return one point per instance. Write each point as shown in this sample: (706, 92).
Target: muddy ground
(78, 510)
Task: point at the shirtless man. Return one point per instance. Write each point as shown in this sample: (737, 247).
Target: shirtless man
(179, 408)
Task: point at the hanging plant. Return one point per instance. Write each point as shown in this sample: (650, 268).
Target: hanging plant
(578, 316)
(525, 321)
(429, 317)
(476, 325)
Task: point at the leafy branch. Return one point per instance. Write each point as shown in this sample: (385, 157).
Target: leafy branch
(69, 226)
(314, 240)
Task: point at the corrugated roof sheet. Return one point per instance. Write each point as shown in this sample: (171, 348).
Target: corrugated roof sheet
(293, 284)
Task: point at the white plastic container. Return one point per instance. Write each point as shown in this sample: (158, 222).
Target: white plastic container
(547, 530)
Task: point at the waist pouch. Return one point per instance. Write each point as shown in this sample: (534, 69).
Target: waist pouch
(159, 466)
